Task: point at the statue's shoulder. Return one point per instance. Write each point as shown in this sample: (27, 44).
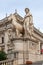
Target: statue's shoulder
(28, 15)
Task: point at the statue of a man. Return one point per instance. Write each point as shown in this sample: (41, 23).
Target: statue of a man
(28, 22)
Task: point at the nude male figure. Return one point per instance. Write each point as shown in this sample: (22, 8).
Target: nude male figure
(28, 22)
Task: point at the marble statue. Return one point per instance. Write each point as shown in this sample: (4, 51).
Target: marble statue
(17, 26)
(28, 22)
(9, 35)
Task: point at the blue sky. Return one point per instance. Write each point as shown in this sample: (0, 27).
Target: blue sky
(35, 6)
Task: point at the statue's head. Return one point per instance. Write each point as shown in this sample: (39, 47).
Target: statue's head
(27, 10)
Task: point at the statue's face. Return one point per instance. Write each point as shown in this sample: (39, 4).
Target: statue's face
(26, 11)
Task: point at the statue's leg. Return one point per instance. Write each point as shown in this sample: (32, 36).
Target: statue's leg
(18, 33)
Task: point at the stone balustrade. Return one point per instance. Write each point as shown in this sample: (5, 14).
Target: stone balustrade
(7, 62)
(32, 57)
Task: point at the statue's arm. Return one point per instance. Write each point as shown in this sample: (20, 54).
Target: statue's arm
(31, 20)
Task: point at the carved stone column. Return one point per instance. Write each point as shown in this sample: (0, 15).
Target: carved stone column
(6, 41)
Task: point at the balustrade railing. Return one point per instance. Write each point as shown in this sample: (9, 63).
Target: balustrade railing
(7, 62)
(32, 57)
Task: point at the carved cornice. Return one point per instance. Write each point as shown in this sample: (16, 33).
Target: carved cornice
(38, 32)
(24, 39)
